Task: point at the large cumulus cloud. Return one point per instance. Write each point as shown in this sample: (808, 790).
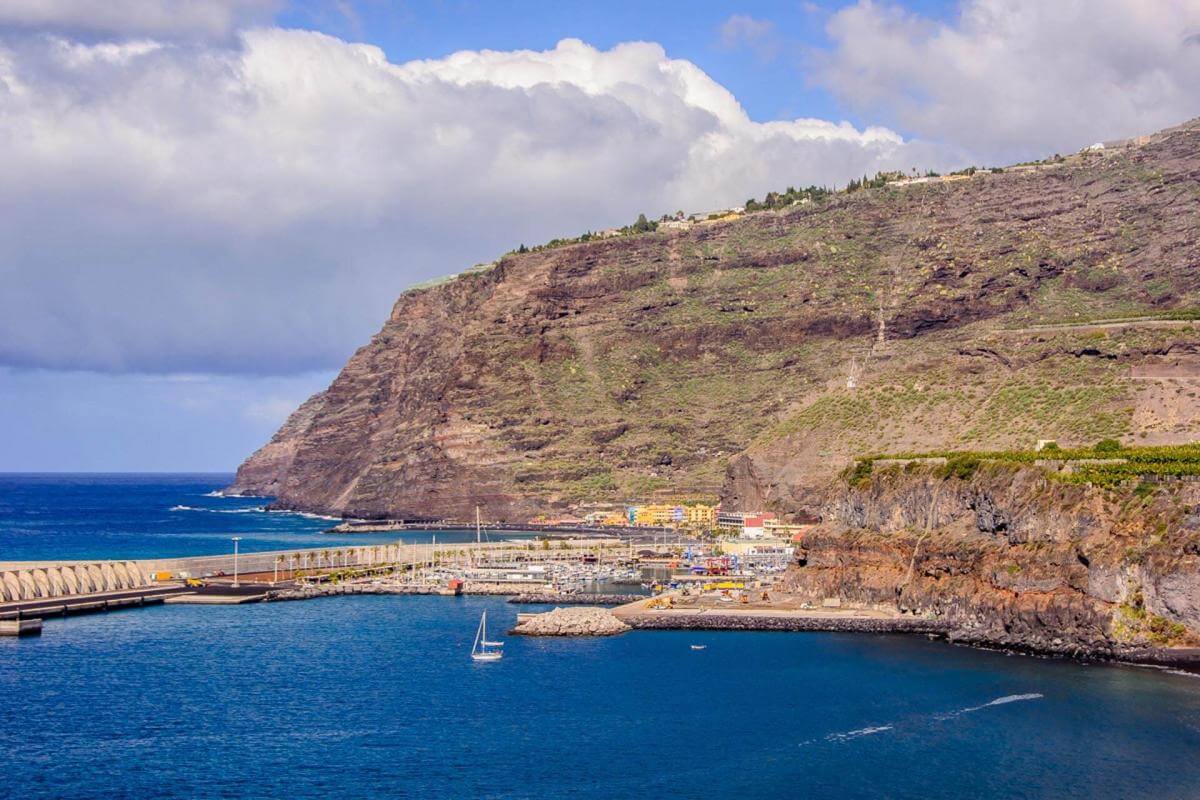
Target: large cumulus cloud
(1010, 79)
(254, 207)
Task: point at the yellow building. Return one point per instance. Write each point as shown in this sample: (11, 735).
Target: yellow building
(658, 515)
(702, 516)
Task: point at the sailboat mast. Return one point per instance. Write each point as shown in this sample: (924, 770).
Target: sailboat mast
(479, 638)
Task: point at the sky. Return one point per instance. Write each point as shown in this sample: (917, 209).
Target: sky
(207, 205)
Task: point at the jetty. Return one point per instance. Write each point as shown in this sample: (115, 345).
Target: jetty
(675, 611)
(580, 599)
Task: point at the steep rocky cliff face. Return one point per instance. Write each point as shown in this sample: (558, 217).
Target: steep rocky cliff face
(1010, 556)
(754, 358)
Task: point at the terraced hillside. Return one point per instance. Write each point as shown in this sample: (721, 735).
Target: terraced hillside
(755, 358)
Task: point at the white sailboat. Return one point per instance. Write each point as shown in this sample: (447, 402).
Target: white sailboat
(479, 650)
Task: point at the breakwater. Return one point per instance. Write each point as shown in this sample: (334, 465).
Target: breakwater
(793, 623)
(311, 591)
(547, 598)
(572, 621)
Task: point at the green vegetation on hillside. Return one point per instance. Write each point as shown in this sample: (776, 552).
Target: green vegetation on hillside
(1106, 463)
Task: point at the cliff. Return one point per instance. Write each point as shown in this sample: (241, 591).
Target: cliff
(754, 358)
(1010, 556)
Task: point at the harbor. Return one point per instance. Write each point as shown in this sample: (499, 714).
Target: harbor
(683, 585)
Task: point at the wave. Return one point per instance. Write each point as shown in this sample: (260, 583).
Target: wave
(1166, 670)
(251, 510)
(1182, 672)
(305, 514)
(256, 510)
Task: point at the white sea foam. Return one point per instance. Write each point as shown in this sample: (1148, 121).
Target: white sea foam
(999, 701)
(303, 514)
(254, 509)
(874, 729)
(854, 734)
(1182, 672)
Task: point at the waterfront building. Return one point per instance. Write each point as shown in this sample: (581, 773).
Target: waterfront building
(657, 515)
(754, 526)
(744, 523)
(759, 553)
(731, 521)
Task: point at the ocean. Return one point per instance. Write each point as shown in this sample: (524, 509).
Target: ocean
(59, 516)
(375, 696)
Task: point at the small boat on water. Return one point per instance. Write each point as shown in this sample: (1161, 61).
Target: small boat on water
(699, 646)
(479, 650)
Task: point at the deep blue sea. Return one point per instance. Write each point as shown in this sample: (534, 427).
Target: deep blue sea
(44, 517)
(362, 697)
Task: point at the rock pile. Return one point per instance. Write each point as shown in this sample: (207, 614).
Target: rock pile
(576, 621)
(546, 598)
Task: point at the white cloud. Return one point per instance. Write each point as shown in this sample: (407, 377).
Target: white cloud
(173, 207)
(1015, 78)
(758, 35)
(204, 18)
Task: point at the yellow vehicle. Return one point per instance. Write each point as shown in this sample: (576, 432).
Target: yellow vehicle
(194, 582)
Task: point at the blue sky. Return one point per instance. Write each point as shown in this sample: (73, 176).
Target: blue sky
(208, 205)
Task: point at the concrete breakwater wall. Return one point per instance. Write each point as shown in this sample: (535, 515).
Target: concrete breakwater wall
(63, 580)
(762, 622)
(576, 599)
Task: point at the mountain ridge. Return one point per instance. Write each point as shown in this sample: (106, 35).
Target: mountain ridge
(753, 359)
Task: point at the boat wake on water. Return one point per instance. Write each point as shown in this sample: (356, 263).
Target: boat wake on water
(845, 736)
(841, 737)
(999, 701)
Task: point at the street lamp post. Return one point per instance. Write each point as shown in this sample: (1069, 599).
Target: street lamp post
(236, 539)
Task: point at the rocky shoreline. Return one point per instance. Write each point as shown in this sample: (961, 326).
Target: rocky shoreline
(1185, 658)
